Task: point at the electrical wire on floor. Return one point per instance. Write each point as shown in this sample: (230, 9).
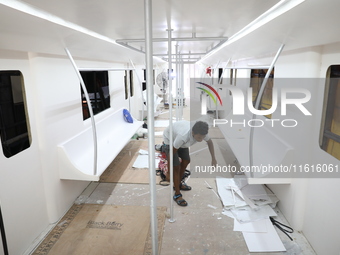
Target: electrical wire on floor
(284, 228)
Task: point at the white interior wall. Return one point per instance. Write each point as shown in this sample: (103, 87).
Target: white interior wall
(309, 204)
(289, 66)
(321, 219)
(23, 202)
(59, 117)
(31, 193)
(292, 67)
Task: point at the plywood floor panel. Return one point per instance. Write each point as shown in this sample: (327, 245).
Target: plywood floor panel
(121, 170)
(103, 229)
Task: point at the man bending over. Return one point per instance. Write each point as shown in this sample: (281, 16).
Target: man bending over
(184, 135)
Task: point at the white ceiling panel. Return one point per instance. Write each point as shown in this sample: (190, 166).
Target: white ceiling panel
(311, 23)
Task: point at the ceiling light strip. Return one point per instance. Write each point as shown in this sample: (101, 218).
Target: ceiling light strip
(28, 9)
(274, 12)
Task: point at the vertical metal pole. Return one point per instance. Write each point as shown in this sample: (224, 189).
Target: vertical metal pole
(177, 82)
(94, 131)
(170, 129)
(219, 81)
(213, 73)
(257, 104)
(151, 132)
(181, 89)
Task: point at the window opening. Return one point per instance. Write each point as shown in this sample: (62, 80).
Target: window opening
(331, 124)
(14, 124)
(97, 85)
(153, 78)
(256, 78)
(126, 85)
(220, 78)
(131, 83)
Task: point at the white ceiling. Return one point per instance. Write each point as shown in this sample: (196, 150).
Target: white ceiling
(313, 22)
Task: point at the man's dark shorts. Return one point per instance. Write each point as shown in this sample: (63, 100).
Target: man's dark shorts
(182, 153)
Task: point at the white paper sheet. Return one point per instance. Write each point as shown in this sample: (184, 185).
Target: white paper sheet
(246, 214)
(228, 213)
(264, 242)
(142, 161)
(255, 226)
(143, 152)
(258, 195)
(228, 198)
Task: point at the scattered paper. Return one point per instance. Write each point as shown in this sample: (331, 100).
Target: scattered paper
(250, 206)
(227, 196)
(143, 152)
(228, 213)
(247, 214)
(142, 161)
(255, 226)
(264, 242)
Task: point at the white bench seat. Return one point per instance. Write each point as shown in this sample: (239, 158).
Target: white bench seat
(76, 156)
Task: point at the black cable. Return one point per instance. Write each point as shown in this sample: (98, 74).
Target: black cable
(3, 235)
(284, 228)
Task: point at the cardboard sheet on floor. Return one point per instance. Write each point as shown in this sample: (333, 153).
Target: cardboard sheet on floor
(258, 194)
(254, 226)
(253, 218)
(142, 161)
(103, 229)
(235, 192)
(247, 214)
(121, 170)
(229, 198)
(264, 242)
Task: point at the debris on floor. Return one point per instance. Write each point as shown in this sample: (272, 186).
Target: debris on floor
(251, 206)
(142, 161)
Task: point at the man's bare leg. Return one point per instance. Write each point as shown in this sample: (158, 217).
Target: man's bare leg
(177, 185)
(184, 165)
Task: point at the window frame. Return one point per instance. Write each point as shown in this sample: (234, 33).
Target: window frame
(102, 99)
(268, 90)
(331, 98)
(15, 129)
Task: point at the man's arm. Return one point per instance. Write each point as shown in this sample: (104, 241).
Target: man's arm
(212, 152)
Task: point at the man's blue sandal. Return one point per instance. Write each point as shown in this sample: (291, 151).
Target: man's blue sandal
(180, 202)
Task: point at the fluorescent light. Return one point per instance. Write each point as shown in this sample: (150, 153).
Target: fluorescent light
(277, 10)
(26, 8)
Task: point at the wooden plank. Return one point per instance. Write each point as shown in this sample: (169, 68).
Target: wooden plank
(121, 170)
(103, 229)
